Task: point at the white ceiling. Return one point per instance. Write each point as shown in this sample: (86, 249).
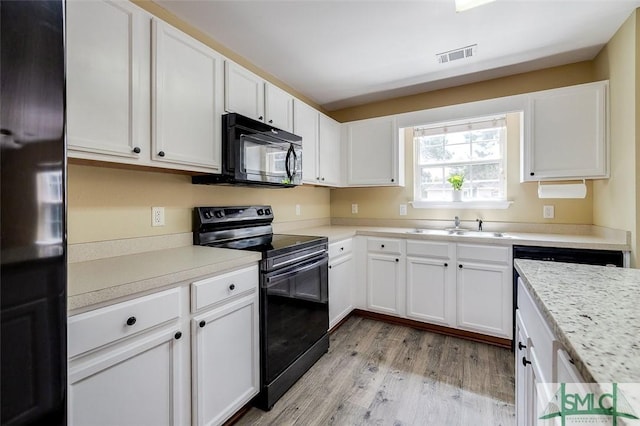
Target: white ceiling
(341, 53)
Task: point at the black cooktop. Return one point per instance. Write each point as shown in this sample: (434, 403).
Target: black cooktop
(273, 244)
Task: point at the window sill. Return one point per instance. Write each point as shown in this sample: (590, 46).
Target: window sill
(460, 205)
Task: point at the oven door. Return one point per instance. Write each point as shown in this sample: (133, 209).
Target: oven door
(295, 313)
(264, 158)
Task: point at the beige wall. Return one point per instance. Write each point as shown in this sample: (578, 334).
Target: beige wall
(567, 75)
(383, 203)
(616, 199)
(107, 203)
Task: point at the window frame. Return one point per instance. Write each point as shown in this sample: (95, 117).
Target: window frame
(456, 126)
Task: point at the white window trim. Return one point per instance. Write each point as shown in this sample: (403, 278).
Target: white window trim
(468, 204)
(462, 205)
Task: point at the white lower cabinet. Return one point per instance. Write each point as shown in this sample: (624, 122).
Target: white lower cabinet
(484, 293)
(134, 370)
(463, 286)
(431, 277)
(225, 367)
(385, 277)
(135, 362)
(540, 359)
(341, 279)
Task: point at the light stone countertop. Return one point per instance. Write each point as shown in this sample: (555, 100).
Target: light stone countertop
(104, 280)
(595, 313)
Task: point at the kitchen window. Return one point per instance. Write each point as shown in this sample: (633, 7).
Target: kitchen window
(474, 149)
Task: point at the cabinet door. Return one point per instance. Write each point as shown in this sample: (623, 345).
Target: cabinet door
(305, 124)
(140, 383)
(278, 107)
(243, 91)
(384, 291)
(373, 152)
(567, 133)
(341, 278)
(431, 290)
(225, 367)
(187, 99)
(522, 374)
(484, 299)
(329, 151)
(108, 72)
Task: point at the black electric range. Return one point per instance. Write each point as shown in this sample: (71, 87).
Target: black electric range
(294, 294)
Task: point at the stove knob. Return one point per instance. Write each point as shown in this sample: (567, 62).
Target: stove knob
(267, 211)
(218, 214)
(207, 214)
(260, 212)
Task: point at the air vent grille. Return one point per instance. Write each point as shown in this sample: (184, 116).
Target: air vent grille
(456, 54)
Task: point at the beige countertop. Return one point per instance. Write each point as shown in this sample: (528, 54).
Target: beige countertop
(109, 271)
(612, 241)
(104, 280)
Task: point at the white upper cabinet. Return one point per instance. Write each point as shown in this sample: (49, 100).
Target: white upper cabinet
(374, 154)
(305, 124)
(249, 95)
(108, 86)
(244, 91)
(330, 160)
(187, 99)
(567, 136)
(278, 107)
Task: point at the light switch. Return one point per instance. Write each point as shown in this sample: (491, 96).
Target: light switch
(354, 209)
(403, 209)
(548, 212)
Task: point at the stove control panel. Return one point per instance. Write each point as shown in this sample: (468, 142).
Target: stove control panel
(230, 214)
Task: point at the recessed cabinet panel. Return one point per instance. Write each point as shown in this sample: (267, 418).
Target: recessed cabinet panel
(429, 291)
(278, 107)
(373, 153)
(108, 81)
(329, 151)
(305, 125)
(341, 277)
(384, 284)
(244, 92)
(187, 99)
(568, 134)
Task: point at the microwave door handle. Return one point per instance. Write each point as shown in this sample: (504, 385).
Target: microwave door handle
(287, 165)
(295, 160)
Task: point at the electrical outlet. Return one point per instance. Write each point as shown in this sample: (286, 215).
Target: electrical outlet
(298, 210)
(403, 209)
(354, 209)
(157, 216)
(548, 212)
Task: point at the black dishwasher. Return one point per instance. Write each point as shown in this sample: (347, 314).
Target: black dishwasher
(614, 258)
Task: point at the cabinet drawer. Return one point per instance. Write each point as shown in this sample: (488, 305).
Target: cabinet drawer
(339, 248)
(428, 249)
(106, 325)
(497, 254)
(384, 245)
(216, 289)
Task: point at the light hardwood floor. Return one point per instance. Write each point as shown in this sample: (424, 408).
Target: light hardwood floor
(382, 374)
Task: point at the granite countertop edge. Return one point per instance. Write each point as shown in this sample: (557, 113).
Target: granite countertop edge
(591, 373)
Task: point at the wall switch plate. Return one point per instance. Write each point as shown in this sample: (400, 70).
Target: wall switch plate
(298, 210)
(354, 209)
(548, 212)
(157, 216)
(403, 209)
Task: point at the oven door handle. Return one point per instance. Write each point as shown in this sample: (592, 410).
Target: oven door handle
(296, 271)
(301, 258)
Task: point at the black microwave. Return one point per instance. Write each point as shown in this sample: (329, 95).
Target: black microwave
(254, 153)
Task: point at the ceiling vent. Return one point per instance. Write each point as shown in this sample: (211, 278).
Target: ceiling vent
(454, 55)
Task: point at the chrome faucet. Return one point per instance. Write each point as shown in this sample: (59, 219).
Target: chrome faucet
(456, 221)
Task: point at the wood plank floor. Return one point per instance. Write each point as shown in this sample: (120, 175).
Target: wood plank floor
(382, 374)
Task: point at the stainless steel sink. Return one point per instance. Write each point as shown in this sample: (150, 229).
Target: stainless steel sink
(459, 231)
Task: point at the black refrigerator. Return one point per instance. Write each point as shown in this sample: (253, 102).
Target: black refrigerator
(33, 214)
